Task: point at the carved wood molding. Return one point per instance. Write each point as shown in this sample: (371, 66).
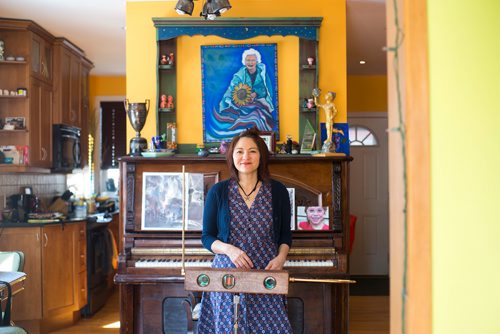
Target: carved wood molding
(130, 213)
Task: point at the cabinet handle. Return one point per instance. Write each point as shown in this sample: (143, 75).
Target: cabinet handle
(44, 154)
(72, 115)
(46, 239)
(37, 237)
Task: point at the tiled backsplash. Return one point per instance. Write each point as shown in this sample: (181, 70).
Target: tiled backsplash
(45, 186)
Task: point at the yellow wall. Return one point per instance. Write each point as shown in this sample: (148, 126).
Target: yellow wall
(465, 184)
(367, 93)
(141, 61)
(105, 86)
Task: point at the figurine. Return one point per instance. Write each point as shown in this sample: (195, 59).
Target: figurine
(170, 102)
(163, 102)
(310, 61)
(1, 50)
(330, 113)
(310, 103)
(171, 58)
(164, 60)
(304, 104)
(223, 147)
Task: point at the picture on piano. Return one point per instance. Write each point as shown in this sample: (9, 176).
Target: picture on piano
(312, 218)
(162, 202)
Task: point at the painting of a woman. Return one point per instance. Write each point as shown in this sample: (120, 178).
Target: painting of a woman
(247, 98)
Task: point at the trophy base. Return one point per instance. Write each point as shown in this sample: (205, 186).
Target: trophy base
(138, 145)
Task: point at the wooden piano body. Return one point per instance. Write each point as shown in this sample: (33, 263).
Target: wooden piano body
(149, 272)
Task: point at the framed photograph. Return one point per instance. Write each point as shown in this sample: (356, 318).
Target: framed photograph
(18, 122)
(291, 194)
(162, 203)
(313, 218)
(239, 89)
(270, 140)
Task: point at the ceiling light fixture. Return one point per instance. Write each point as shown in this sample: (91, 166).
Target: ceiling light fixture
(210, 10)
(184, 7)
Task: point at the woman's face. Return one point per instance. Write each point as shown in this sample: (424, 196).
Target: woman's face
(251, 63)
(246, 156)
(315, 215)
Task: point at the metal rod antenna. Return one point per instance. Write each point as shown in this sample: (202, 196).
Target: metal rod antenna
(183, 268)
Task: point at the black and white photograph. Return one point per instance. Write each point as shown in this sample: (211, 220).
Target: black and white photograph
(162, 203)
(291, 194)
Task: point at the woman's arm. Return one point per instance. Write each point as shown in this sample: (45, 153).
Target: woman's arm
(279, 261)
(237, 256)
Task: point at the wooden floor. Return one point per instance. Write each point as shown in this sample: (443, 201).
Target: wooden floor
(368, 315)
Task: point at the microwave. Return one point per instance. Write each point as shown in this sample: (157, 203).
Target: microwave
(66, 152)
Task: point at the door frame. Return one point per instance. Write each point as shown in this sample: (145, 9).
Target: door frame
(414, 237)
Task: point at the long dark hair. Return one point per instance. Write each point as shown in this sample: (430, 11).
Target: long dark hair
(263, 169)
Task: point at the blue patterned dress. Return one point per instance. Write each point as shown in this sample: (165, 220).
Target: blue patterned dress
(251, 231)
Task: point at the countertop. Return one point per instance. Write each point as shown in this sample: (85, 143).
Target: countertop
(98, 216)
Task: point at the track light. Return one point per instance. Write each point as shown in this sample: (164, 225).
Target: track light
(210, 10)
(184, 7)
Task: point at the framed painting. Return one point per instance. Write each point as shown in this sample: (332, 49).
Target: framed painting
(239, 89)
(270, 140)
(162, 203)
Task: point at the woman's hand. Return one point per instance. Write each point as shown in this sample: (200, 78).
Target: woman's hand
(277, 263)
(239, 257)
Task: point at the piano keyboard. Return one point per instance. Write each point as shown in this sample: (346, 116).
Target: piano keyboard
(166, 263)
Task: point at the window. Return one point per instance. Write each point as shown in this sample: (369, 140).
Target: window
(361, 136)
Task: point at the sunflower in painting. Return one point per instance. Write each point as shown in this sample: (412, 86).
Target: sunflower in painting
(241, 94)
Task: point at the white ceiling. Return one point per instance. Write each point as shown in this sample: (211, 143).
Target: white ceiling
(98, 27)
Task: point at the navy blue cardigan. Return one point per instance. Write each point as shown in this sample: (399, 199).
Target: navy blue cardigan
(216, 215)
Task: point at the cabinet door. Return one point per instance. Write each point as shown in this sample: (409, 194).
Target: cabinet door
(58, 265)
(75, 92)
(40, 154)
(86, 127)
(27, 304)
(80, 254)
(41, 59)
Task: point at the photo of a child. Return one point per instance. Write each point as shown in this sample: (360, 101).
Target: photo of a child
(311, 218)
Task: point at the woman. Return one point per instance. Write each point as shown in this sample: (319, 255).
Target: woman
(246, 223)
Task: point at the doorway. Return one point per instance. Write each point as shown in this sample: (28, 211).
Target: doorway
(369, 195)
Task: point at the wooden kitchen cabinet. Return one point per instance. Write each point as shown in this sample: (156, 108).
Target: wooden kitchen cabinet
(40, 117)
(28, 41)
(70, 71)
(55, 262)
(55, 73)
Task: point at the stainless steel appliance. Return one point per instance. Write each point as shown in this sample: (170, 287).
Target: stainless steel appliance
(66, 150)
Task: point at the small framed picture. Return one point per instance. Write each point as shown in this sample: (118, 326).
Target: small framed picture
(269, 139)
(17, 122)
(310, 218)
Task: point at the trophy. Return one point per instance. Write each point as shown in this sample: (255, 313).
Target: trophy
(137, 113)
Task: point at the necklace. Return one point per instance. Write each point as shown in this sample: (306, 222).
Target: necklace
(247, 196)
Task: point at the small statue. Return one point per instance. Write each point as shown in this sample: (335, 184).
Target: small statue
(171, 58)
(170, 102)
(304, 104)
(330, 113)
(163, 101)
(164, 60)
(2, 58)
(310, 104)
(223, 147)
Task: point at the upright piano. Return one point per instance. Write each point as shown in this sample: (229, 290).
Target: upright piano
(149, 272)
